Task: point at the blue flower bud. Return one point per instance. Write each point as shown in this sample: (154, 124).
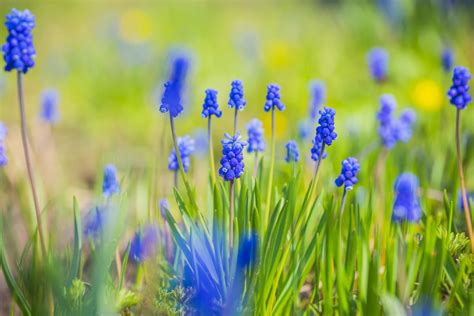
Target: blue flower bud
(292, 152)
(49, 106)
(210, 105)
(232, 162)
(186, 148)
(273, 98)
(255, 140)
(144, 244)
(377, 59)
(458, 93)
(348, 175)
(110, 185)
(407, 204)
(236, 95)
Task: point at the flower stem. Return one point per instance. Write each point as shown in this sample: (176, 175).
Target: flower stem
(318, 164)
(28, 163)
(467, 211)
(231, 216)
(343, 203)
(176, 149)
(211, 150)
(255, 165)
(235, 120)
(272, 163)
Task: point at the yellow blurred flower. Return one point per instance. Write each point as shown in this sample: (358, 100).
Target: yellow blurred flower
(427, 94)
(280, 126)
(135, 26)
(278, 54)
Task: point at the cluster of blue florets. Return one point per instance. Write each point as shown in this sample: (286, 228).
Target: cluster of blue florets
(110, 184)
(18, 51)
(3, 135)
(318, 97)
(210, 105)
(348, 175)
(255, 139)
(144, 243)
(391, 129)
(186, 148)
(325, 133)
(49, 106)
(236, 95)
(407, 204)
(171, 100)
(273, 98)
(458, 93)
(292, 152)
(377, 58)
(232, 162)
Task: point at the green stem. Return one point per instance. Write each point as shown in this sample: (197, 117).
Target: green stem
(231, 217)
(211, 150)
(235, 120)
(255, 165)
(467, 212)
(29, 166)
(343, 203)
(176, 149)
(272, 163)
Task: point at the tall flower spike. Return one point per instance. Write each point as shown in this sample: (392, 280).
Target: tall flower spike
(186, 148)
(49, 106)
(255, 136)
(95, 221)
(317, 147)
(273, 98)
(110, 185)
(144, 244)
(292, 152)
(171, 100)
(317, 91)
(326, 126)
(447, 59)
(407, 204)
(377, 59)
(18, 51)
(236, 95)
(348, 175)
(458, 93)
(210, 105)
(232, 162)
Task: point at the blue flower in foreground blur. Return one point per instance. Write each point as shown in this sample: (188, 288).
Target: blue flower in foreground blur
(317, 91)
(164, 205)
(3, 131)
(186, 148)
(232, 162)
(425, 307)
(171, 100)
(110, 185)
(236, 95)
(292, 153)
(49, 106)
(447, 59)
(348, 175)
(377, 59)
(144, 244)
(95, 221)
(18, 51)
(273, 98)
(470, 196)
(255, 136)
(458, 93)
(210, 105)
(407, 204)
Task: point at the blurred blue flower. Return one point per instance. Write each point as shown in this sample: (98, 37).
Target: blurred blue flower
(3, 156)
(186, 148)
(348, 175)
(210, 105)
(458, 93)
(236, 95)
(273, 98)
(94, 222)
(3, 131)
(18, 51)
(292, 152)
(470, 196)
(305, 128)
(407, 204)
(255, 139)
(110, 185)
(377, 59)
(447, 59)
(201, 142)
(232, 162)
(317, 91)
(144, 243)
(425, 307)
(49, 106)
(164, 205)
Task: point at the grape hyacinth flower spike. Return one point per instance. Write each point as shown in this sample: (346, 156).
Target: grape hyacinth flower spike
(144, 243)
(292, 154)
(232, 168)
(407, 204)
(377, 59)
(273, 100)
(236, 99)
(110, 185)
(325, 135)
(19, 55)
(49, 112)
(182, 157)
(211, 107)
(317, 91)
(447, 59)
(347, 177)
(459, 97)
(255, 141)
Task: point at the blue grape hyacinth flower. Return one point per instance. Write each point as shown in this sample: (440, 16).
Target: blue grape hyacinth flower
(164, 205)
(94, 222)
(447, 59)
(305, 128)
(18, 51)
(292, 152)
(210, 105)
(317, 91)
(186, 148)
(110, 185)
(377, 59)
(144, 244)
(255, 140)
(172, 97)
(317, 147)
(236, 95)
(458, 93)
(407, 205)
(326, 126)
(232, 162)
(273, 98)
(348, 175)
(469, 195)
(49, 106)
